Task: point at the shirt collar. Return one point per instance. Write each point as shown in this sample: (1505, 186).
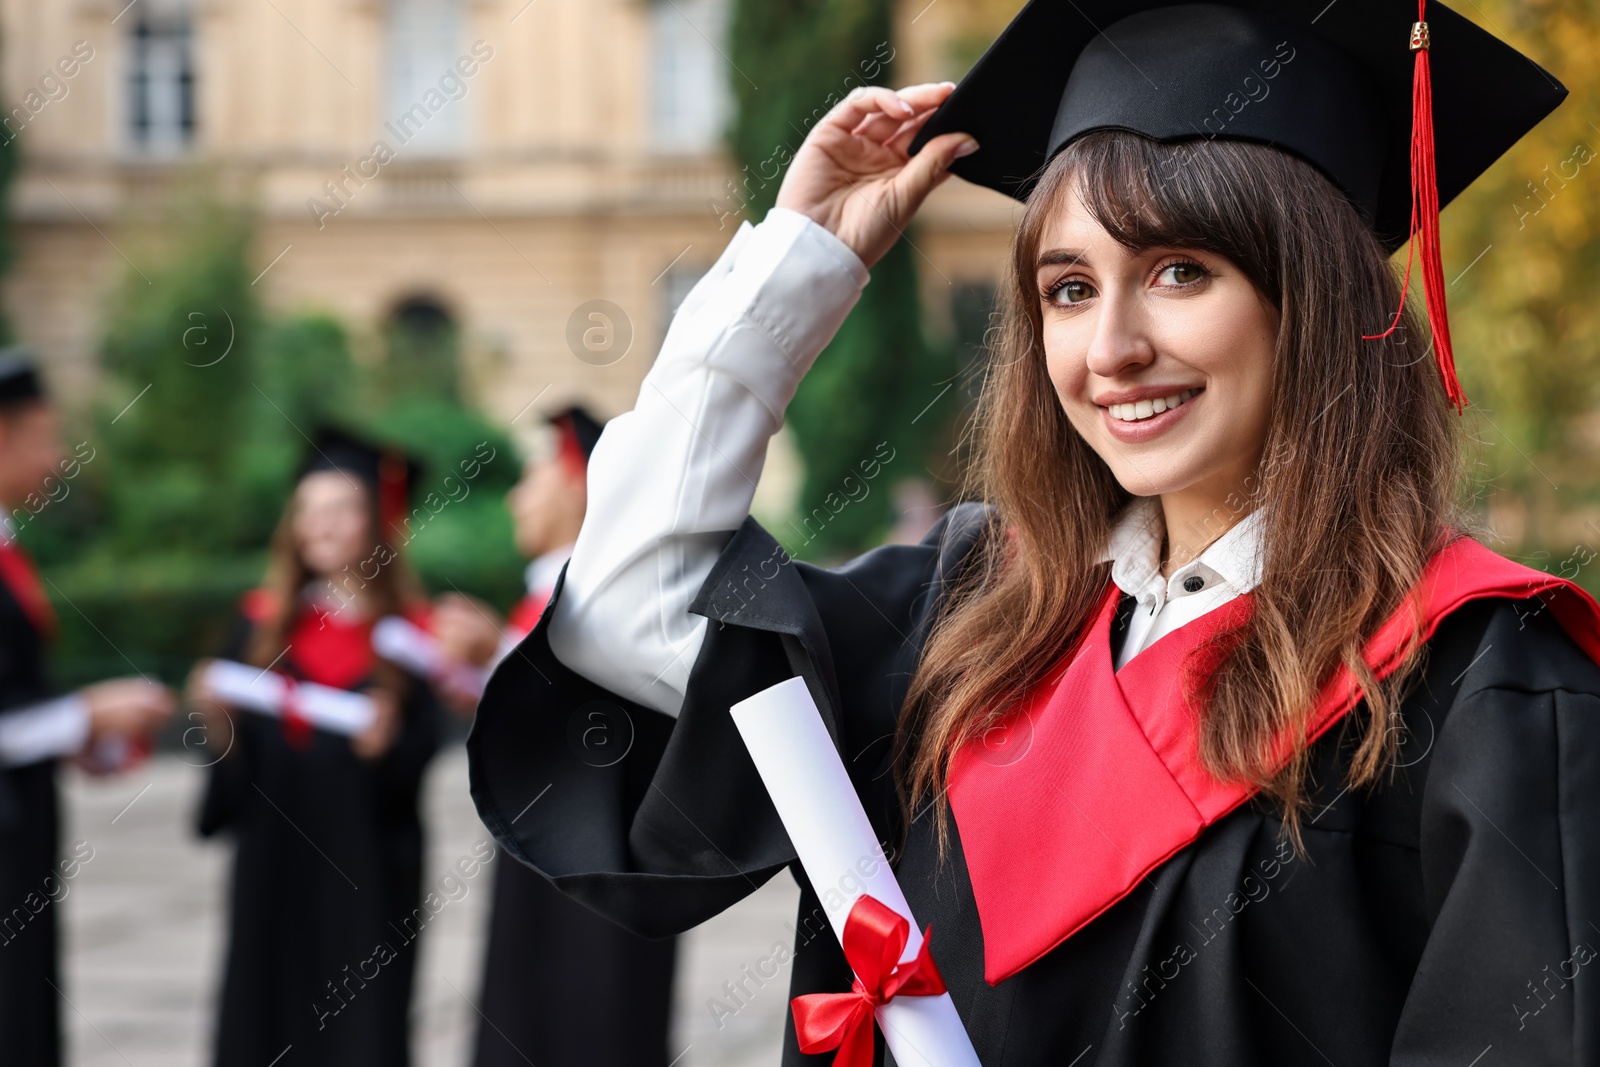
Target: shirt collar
(542, 573)
(1134, 552)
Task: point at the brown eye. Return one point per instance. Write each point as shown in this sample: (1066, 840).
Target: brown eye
(1076, 292)
(1183, 273)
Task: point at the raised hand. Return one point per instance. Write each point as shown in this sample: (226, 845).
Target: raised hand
(852, 173)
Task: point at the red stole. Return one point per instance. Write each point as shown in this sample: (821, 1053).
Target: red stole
(329, 650)
(1096, 779)
(17, 570)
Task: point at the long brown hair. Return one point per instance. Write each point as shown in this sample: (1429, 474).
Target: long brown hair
(383, 576)
(1355, 487)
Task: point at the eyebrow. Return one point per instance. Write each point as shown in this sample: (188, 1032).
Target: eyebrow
(1057, 256)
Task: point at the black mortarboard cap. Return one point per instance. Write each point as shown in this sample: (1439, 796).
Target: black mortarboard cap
(19, 376)
(577, 432)
(388, 471)
(1400, 114)
(1342, 101)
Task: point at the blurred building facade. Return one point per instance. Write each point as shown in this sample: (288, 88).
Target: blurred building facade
(544, 176)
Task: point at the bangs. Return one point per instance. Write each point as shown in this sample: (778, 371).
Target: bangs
(1219, 196)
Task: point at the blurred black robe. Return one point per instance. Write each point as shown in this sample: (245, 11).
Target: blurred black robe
(562, 986)
(326, 902)
(30, 1011)
(1450, 915)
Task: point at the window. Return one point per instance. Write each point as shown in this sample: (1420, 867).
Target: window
(690, 99)
(423, 343)
(161, 118)
(424, 92)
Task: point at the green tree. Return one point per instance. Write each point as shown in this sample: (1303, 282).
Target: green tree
(870, 392)
(1522, 256)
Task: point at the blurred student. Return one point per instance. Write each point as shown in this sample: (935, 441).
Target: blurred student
(326, 896)
(38, 729)
(562, 987)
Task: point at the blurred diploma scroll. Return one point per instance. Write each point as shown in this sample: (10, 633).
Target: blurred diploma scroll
(841, 855)
(337, 710)
(405, 644)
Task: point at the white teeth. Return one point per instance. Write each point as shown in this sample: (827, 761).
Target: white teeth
(1143, 409)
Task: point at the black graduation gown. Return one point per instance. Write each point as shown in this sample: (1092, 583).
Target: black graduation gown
(326, 902)
(1448, 914)
(562, 986)
(30, 875)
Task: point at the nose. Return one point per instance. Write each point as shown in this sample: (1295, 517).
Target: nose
(1120, 343)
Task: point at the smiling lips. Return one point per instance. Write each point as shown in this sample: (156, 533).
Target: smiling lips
(1139, 410)
(1143, 418)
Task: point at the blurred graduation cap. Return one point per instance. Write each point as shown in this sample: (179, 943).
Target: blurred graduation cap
(577, 432)
(1401, 114)
(19, 376)
(388, 471)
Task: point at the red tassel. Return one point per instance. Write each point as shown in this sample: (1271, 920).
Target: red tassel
(1425, 216)
(392, 491)
(568, 448)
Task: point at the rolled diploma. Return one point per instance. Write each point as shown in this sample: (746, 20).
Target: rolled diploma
(408, 645)
(783, 730)
(254, 689)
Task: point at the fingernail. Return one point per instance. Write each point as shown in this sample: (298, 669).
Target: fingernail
(968, 147)
(909, 109)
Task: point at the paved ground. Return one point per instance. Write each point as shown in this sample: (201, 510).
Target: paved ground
(144, 920)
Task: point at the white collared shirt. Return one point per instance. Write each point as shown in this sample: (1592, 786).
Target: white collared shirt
(1228, 566)
(542, 573)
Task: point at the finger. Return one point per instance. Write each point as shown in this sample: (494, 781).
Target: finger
(866, 100)
(901, 141)
(930, 167)
(926, 95)
(878, 127)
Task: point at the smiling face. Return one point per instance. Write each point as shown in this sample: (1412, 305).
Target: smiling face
(1162, 358)
(333, 525)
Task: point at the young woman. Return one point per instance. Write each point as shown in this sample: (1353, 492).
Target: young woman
(1207, 737)
(326, 897)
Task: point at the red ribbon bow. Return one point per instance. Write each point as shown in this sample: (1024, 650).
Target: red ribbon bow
(296, 727)
(874, 937)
